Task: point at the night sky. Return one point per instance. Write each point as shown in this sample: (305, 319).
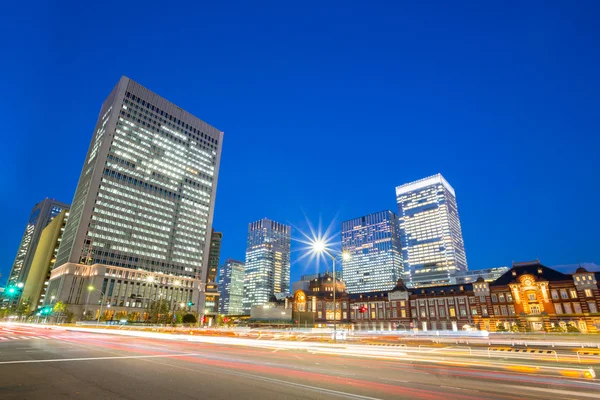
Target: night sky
(326, 108)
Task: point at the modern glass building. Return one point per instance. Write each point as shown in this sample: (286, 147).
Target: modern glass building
(146, 193)
(267, 262)
(432, 244)
(373, 245)
(40, 217)
(212, 290)
(488, 275)
(38, 277)
(231, 287)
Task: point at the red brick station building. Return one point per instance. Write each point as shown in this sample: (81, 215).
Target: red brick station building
(528, 297)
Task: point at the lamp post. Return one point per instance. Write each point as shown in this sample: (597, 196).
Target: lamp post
(92, 289)
(319, 246)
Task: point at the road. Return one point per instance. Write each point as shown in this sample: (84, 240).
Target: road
(38, 363)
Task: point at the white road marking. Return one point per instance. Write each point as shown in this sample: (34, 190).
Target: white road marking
(97, 358)
(562, 392)
(345, 395)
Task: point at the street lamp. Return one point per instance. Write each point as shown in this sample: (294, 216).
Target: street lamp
(320, 247)
(92, 289)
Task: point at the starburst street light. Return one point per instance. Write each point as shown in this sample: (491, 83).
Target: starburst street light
(319, 246)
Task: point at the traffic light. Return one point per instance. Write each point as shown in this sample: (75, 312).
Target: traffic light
(46, 310)
(363, 309)
(11, 290)
(190, 304)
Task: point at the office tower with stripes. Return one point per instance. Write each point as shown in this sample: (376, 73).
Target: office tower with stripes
(231, 287)
(146, 193)
(432, 243)
(374, 261)
(267, 262)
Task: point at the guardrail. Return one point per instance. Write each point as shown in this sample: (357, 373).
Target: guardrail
(587, 353)
(386, 344)
(499, 350)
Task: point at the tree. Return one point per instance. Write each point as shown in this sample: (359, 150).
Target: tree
(159, 312)
(500, 328)
(59, 310)
(69, 316)
(24, 308)
(517, 327)
(189, 319)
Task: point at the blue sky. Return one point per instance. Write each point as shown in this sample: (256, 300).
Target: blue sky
(326, 107)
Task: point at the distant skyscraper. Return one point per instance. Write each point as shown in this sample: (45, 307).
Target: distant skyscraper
(432, 244)
(40, 217)
(373, 244)
(37, 279)
(231, 287)
(145, 197)
(267, 262)
(212, 291)
(214, 255)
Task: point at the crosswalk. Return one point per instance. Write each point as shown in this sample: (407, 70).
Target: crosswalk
(9, 334)
(5, 338)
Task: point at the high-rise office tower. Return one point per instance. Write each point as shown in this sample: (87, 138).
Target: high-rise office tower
(40, 217)
(373, 245)
(38, 277)
(432, 244)
(267, 262)
(212, 290)
(146, 193)
(213, 256)
(231, 287)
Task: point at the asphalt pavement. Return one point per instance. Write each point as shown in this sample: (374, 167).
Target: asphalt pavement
(39, 363)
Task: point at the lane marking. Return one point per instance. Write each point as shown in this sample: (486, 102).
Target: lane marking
(565, 393)
(393, 380)
(346, 395)
(97, 358)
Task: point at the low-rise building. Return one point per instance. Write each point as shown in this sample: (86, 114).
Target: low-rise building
(114, 293)
(527, 297)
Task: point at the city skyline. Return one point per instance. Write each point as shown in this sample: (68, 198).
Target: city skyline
(487, 118)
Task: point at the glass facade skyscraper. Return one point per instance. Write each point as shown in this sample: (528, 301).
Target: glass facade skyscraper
(267, 262)
(212, 292)
(373, 245)
(146, 193)
(432, 244)
(231, 287)
(40, 217)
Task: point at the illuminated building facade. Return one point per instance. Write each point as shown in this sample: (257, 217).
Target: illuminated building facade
(212, 291)
(146, 193)
(40, 217)
(432, 244)
(314, 305)
(120, 293)
(267, 269)
(373, 245)
(38, 277)
(529, 297)
(231, 287)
